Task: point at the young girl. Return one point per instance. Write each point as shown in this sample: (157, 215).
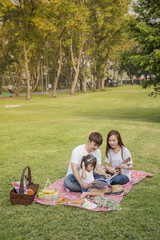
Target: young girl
(88, 165)
(119, 157)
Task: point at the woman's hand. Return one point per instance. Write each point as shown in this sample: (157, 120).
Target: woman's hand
(118, 170)
(121, 165)
(107, 175)
(125, 166)
(113, 171)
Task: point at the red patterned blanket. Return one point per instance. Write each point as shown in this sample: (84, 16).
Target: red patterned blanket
(136, 176)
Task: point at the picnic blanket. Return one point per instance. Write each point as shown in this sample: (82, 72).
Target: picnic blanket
(136, 176)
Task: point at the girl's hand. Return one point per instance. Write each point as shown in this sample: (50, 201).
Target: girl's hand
(85, 185)
(83, 165)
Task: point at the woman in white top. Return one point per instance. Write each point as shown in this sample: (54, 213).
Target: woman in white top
(119, 157)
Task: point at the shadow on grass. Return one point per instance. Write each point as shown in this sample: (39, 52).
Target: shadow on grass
(131, 114)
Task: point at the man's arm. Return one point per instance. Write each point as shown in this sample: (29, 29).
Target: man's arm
(99, 170)
(77, 176)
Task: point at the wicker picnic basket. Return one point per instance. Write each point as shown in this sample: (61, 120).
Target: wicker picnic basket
(21, 198)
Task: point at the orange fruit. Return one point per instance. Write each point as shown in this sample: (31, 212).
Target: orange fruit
(30, 191)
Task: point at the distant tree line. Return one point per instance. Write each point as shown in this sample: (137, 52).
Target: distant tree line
(75, 40)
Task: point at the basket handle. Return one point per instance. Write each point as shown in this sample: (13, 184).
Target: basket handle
(47, 183)
(21, 189)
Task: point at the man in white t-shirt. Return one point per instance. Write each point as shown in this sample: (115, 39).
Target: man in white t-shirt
(72, 181)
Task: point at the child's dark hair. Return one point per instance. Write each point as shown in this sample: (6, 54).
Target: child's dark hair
(89, 159)
(96, 137)
(117, 134)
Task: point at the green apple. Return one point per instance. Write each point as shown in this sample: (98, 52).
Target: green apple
(40, 194)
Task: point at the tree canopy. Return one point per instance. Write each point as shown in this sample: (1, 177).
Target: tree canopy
(65, 42)
(144, 28)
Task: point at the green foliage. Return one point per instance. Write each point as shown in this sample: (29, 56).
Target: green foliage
(154, 83)
(42, 23)
(106, 26)
(42, 133)
(126, 64)
(145, 29)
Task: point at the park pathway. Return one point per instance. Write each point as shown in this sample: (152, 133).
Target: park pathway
(40, 93)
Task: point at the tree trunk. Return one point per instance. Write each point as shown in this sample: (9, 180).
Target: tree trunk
(121, 80)
(98, 84)
(59, 71)
(103, 79)
(28, 93)
(3, 79)
(18, 75)
(76, 69)
(91, 82)
(102, 84)
(38, 75)
(0, 83)
(94, 83)
(2, 73)
(19, 80)
(84, 84)
(94, 78)
(11, 77)
(131, 79)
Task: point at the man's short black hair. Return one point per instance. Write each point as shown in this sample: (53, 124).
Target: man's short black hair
(96, 137)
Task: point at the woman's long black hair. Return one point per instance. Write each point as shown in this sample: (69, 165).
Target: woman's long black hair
(117, 134)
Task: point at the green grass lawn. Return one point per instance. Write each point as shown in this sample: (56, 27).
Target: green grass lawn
(42, 133)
